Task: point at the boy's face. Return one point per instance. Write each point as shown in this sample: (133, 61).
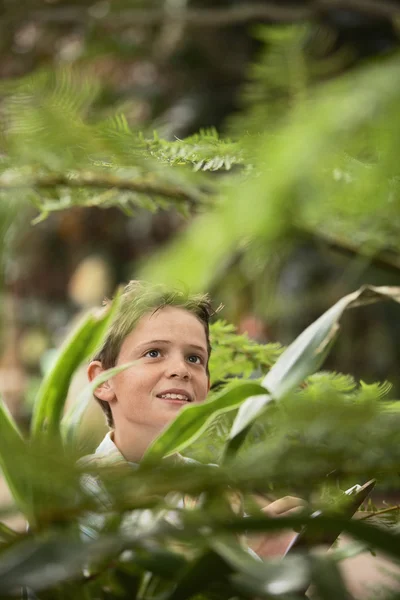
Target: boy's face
(170, 348)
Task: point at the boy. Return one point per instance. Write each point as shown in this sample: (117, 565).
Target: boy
(166, 333)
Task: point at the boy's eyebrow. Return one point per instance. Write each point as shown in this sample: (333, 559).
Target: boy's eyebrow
(169, 342)
(154, 342)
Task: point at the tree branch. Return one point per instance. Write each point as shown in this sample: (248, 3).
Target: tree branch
(212, 17)
(94, 180)
(384, 259)
(375, 8)
(218, 17)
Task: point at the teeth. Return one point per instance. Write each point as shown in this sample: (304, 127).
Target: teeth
(175, 397)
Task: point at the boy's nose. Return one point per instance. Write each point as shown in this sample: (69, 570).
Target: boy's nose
(180, 374)
(178, 369)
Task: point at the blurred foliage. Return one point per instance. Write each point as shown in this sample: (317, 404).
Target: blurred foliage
(310, 153)
(141, 540)
(337, 177)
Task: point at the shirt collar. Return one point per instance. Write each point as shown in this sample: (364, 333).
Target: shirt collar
(109, 451)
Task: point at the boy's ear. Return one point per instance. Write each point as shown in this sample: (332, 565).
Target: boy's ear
(105, 390)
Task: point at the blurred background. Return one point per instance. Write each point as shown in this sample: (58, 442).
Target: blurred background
(178, 75)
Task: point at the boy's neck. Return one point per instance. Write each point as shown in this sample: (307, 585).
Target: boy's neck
(134, 442)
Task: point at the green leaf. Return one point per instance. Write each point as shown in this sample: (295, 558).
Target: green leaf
(288, 187)
(199, 575)
(79, 346)
(12, 450)
(71, 420)
(275, 578)
(302, 358)
(7, 534)
(160, 561)
(288, 576)
(327, 579)
(193, 420)
(384, 540)
(40, 563)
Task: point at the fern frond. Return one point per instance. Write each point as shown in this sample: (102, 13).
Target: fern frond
(204, 151)
(373, 390)
(238, 355)
(338, 382)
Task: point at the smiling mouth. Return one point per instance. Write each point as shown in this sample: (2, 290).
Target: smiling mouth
(173, 396)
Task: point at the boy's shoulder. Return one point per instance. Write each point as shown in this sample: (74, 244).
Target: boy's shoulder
(107, 454)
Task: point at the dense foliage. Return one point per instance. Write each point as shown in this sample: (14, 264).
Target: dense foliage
(139, 542)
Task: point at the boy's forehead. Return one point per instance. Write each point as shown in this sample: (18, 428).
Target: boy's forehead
(170, 321)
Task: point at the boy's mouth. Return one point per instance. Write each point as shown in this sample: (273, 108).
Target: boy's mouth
(177, 395)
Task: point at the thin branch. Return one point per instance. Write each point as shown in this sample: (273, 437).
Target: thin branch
(218, 17)
(379, 512)
(94, 180)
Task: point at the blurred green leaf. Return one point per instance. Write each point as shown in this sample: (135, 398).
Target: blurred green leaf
(44, 562)
(160, 561)
(6, 533)
(295, 184)
(327, 580)
(384, 540)
(286, 578)
(71, 420)
(12, 451)
(271, 578)
(193, 420)
(200, 575)
(79, 346)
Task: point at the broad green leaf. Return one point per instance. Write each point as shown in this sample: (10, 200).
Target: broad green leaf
(193, 420)
(79, 346)
(303, 357)
(40, 563)
(71, 420)
(12, 450)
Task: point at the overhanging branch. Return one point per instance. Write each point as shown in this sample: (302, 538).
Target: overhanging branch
(145, 186)
(212, 17)
(218, 17)
(383, 259)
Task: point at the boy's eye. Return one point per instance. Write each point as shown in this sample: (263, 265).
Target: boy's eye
(195, 359)
(153, 353)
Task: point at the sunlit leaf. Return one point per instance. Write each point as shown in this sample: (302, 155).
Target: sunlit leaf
(72, 419)
(193, 420)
